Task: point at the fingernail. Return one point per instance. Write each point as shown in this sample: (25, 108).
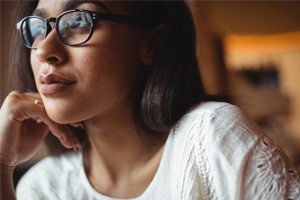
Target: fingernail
(37, 120)
(57, 131)
(82, 126)
(67, 142)
(77, 147)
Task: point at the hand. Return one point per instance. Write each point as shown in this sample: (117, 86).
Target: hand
(24, 124)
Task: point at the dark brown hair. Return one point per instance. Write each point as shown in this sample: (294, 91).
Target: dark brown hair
(166, 89)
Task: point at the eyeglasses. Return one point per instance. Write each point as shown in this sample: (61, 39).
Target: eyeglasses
(74, 27)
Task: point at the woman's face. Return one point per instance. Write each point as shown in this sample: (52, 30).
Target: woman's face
(94, 79)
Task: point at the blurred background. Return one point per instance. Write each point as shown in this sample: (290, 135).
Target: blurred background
(247, 49)
(250, 50)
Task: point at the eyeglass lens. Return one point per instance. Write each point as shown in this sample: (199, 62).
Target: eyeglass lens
(33, 30)
(73, 28)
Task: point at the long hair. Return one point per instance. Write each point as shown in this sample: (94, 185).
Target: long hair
(172, 85)
(166, 89)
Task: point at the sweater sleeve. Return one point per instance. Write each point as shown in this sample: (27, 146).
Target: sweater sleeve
(51, 178)
(35, 184)
(243, 162)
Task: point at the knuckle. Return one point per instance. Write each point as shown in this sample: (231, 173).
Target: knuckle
(15, 93)
(11, 105)
(13, 96)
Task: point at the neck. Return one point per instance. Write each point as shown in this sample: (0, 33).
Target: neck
(119, 151)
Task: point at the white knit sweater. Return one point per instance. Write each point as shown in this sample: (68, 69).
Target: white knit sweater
(213, 152)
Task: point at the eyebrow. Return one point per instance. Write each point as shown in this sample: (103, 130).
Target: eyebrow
(70, 5)
(39, 12)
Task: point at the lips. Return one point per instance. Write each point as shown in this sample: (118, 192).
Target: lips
(54, 84)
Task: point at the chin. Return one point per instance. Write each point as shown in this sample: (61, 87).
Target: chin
(60, 114)
(58, 118)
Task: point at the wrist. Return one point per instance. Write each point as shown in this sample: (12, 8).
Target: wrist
(7, 163)
(6, 172)
(6, 168)
(6, 182)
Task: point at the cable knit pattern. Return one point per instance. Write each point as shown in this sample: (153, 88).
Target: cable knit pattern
(212, 153)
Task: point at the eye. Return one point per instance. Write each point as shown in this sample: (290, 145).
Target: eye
(73, 24)
(38, 29)
(34, 28)
(79, 21)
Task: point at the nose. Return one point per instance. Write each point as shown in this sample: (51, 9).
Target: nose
(51, 50)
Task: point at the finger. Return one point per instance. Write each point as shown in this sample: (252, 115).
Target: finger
(30, 106)
(37, 111)
(67, 137)
(70, 138)
(33, 108)
(65, 142)
(78, 125)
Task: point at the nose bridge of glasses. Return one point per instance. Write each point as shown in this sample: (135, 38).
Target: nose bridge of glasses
(50, 24)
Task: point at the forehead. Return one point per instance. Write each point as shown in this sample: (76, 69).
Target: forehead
(55, 7)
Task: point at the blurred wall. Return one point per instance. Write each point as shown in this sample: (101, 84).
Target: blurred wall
(275, 21)
(283, 51)
(6, 7)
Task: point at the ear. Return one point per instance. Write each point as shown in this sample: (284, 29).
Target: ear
(152, 43)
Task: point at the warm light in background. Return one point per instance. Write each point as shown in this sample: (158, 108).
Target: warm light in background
(281, 51)
(254, 48)
(263, 43)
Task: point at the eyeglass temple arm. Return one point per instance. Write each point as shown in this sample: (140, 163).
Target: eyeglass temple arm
(116, 18)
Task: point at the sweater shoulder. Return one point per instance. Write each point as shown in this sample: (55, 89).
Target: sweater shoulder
(233, 156)
(218, 109)
(216, 115)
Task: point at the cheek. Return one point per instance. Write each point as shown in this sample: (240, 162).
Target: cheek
(106, 74)
(118, 44)
(114, 58)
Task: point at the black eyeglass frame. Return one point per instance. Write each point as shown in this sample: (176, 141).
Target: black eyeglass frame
(95, 16)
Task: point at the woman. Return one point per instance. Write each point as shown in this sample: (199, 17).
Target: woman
(118, 83)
